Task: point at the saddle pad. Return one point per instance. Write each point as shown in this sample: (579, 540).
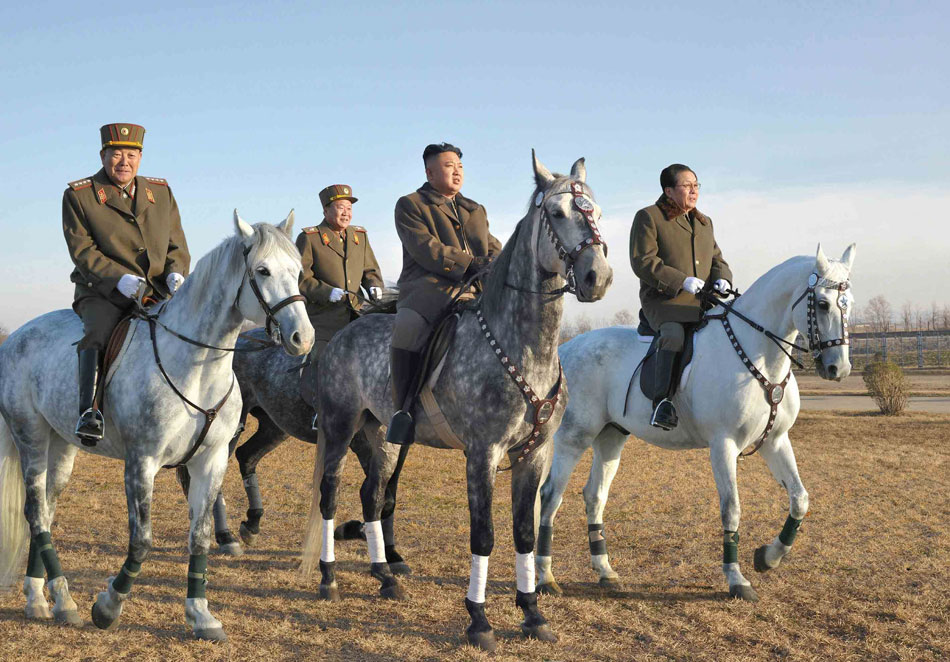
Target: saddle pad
(647, 381)
(119, 342)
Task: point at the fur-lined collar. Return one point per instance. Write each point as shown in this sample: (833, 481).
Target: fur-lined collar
(671, 210)
(436, 198)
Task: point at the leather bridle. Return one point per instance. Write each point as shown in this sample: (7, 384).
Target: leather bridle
(271, 322)
(815, 343)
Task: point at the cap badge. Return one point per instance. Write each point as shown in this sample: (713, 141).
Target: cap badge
(124, 130)
(101, 194)
(148, 194)
(346, 191)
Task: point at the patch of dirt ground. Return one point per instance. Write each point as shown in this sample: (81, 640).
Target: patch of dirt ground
(867, 579)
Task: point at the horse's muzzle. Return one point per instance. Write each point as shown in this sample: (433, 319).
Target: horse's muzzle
(593, 275)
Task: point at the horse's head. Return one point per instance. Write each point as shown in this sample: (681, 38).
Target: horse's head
(823, 320)
(569, 215)
(272, 272)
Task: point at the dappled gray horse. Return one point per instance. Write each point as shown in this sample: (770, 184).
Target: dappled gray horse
(269, 381)
(738, 395)
(154, 417)
(499, 383)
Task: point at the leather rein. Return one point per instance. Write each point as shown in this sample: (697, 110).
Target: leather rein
(211, 414)
(775, 392)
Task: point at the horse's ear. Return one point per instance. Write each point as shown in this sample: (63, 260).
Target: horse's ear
(848, 256)
(542, 176)
(243, 230)
(287, 225)
(579, 170)
(821, 262)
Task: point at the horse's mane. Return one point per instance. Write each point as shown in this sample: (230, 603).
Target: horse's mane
(228, 256)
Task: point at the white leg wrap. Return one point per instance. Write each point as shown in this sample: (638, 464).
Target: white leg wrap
(326, 553)
(524, 571)
(374, 539)
(478, 579)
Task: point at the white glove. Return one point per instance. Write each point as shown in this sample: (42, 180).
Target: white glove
(174, 281)
(336, 294)
(693, 285)
(375, 293)
(722, 285)
(128, 285)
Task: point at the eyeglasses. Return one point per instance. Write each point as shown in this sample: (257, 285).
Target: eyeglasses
(691, 187)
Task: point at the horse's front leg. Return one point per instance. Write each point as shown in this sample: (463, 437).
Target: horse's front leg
(207, 473)
(139, 481)
(480, 475)
(723, 455)
(372, 494)
(781, 460)
(525, 480)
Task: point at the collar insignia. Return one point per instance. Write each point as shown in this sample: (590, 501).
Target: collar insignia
(326, 239)
(101, 194)
(148, 194)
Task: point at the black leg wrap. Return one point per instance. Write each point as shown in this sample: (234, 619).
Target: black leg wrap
(253, 521)
(596, 539)
(44, 546)
(123, 581)
(789, 531)
(545, 537)
(197, 575)
(34, 563)
(730, 547)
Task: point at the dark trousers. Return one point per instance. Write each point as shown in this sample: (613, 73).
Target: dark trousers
(99, 317)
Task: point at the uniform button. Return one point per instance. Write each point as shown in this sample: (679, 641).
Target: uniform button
(697, 261)
(89, 284)
(140, 249)
(130, 220)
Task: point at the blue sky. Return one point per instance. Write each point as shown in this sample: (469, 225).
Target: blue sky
(805, 122)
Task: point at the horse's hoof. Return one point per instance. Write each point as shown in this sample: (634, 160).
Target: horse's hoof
(211, 634)
(101, 620)
(329, 592)
(743, 592)
(351, 530)
(38, 612)
(541, 632)
(68, 617)
(483, 640)
(400, 568)
(393, 591)
(609, 583)
(248, 537)
(759, 562)
(549, 588)
(232, 549)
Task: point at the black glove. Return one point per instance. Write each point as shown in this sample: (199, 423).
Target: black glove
(478, 263)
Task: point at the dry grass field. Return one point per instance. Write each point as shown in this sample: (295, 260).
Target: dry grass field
(868, 578)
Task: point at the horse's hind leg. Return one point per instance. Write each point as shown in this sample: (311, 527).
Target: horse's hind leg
(331, 459)
(525, 480)
(139, 482)
(34, 461)
(372, 495)
(607, 448)
(480, 474)
(723, 455)
(267, 438)
(207, 473)
(570, 445)
(781, 460)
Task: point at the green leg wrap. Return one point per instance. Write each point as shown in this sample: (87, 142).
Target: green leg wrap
(123, 581)
(730, 547)
(197, 575)
(44, 545)
(789, 531)
(34, 563)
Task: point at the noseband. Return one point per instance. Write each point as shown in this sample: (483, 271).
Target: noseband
(269, 311)
(815, 343)
(585, 206)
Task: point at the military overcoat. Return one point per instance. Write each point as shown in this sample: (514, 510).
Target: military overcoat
(109, 235)
(330, 262)
(665, 248)
(437, 247)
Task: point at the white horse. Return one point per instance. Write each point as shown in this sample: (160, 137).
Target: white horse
(722, 403)
(152, 415)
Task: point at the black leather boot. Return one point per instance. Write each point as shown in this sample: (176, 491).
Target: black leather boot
(664, 413)
(404, 366)
(91, 425)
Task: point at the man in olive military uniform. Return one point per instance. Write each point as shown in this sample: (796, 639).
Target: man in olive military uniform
(123, 232)
(337, 260)
(673, 252)
(445, 240)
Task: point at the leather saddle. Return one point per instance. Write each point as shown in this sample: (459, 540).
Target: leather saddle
(118, 342)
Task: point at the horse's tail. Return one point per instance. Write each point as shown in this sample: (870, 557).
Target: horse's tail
(14, 533)
(313, 538)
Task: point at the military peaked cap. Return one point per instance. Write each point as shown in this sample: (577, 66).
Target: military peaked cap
(122, 135)
(336, 192)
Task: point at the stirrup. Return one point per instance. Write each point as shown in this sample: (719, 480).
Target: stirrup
(313, 424)
(90, 427)
(665, 420)
(401, 428)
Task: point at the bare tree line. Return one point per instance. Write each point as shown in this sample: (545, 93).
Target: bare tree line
(878, 316)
